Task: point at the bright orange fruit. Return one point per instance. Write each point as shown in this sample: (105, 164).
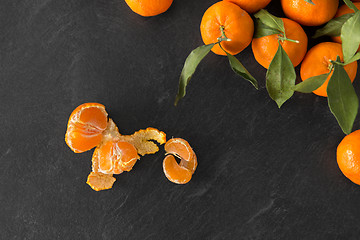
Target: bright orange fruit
(310, 14)
(251, 6)
(348, 156)
(317, 62)
(235, 22)
(264, 48)
(179, 173)
(85, 127)
(148, 8)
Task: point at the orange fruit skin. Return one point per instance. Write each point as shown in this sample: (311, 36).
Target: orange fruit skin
(149, 8)
(265, 48)
(308, 14)
(238, 26)
(85, 126)
(344, 9)
(348, 156)
(250, 6)
(317, 61)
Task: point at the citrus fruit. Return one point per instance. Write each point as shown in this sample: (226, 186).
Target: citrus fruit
(250, 6)
(317, 62)
(264, 48)
(179, 173)
(174, 172)
(148, 8)
(85, 127)
(114, 157)
(348, 156)
(344, 9)
(236, 24)
(309, 14)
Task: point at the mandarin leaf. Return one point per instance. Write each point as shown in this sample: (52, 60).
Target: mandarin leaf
(191, 63)
(342, 99)
(280, 77)
(333, 27)
(311, 84)
(350, 36)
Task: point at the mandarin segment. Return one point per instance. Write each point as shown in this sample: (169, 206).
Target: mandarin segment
(85, 127)
(100, 181)
(174, 172)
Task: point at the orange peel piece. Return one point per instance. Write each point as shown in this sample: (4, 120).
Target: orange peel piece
(174, 171)
(99, 181)
(142, 140)
(85, 127)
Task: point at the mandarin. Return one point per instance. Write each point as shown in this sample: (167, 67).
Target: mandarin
(148, 8)
(251, 6)
(310, 14)
(264, 48)
(85, 127)
(318, 61)
(230, 19)
(348, 156)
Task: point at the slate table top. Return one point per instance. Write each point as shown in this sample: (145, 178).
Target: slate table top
(263, 173)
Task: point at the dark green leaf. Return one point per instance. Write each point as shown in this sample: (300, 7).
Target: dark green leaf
(342, 99)
(309, 1)
(280, 77)
(351, 5)
(311, 84)
(270, 20)
(350, 36)
(333, 27)
(239, 69)
(262, 30)
(191, 63)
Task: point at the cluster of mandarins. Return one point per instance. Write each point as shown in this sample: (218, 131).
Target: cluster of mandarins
(89, 127)
(227, 29)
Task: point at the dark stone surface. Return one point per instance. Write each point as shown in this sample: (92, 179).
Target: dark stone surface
(263, 173)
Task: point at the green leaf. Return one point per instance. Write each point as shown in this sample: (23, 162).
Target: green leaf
(240, 70)
(280, 77)
(351, 5)
(333, 27)
(262, 30)
(350, 36)
(191, 63)
(342, 99)
(353, 59)
(311, 84)
(270, 20)
(309, 1)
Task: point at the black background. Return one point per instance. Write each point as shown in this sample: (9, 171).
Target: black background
(263, 173)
